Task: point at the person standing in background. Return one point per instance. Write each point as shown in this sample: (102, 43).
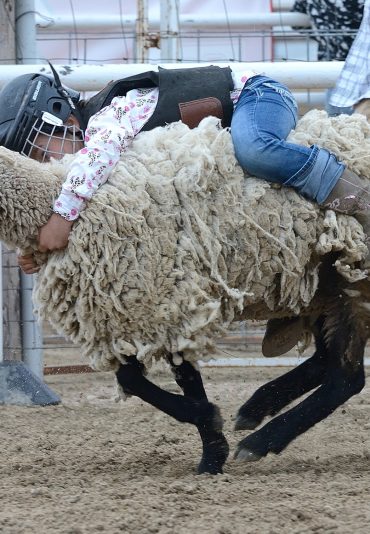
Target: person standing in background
(353, 85)
(333, 23)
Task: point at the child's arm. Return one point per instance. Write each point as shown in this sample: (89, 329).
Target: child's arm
(109, 133)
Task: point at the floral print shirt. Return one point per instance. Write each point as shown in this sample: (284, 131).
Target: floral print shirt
(108, 134)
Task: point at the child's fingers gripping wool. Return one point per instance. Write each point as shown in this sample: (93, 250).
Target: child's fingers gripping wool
(28, 264)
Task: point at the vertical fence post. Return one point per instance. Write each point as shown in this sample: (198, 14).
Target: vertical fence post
(7, 32)
(18, 384)
(26, 31)
(169, 31)
(142, 25)
(32, 353)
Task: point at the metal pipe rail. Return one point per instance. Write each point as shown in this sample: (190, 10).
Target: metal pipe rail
(295, 74)
(97, 23)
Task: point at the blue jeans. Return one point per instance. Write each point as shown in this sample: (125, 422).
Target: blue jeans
(264, 115)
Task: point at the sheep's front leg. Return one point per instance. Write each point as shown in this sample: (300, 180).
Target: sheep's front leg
(199, 412)
(188, 378)
(215, 446)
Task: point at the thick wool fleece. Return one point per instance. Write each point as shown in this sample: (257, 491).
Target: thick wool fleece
(179, 242)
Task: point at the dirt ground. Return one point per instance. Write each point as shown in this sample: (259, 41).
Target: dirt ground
(92, 465)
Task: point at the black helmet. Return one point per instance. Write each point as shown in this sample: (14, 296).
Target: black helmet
(29, 99)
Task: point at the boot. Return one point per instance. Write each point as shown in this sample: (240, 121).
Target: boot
(281, 335)
(363, 107)
(351, 195)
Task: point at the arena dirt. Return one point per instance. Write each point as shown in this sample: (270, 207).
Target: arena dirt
(92, 465)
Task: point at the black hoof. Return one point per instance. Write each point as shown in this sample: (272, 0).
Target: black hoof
(252, 448)
(245, 423)
(214, 457)
(245, 455)
(209, 467)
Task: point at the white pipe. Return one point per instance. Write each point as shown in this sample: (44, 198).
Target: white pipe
(32, 354)
(169, 30)
(98, 23)
(313, 99)
(295, 74)
(282, 5)
(25, 31)
(283, 361)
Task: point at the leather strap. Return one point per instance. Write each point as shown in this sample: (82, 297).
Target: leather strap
(194, 111)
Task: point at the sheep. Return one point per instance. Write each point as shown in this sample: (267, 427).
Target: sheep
(178, 245)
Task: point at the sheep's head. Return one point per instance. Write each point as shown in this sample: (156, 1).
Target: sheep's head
(27, 190)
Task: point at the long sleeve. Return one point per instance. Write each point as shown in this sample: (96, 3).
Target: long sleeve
(109, 133)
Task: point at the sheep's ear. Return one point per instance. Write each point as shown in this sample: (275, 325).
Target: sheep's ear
(8, 156)
(18, 162)
(30, 168)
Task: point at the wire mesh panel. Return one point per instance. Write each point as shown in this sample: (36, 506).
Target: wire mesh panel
(12, 345)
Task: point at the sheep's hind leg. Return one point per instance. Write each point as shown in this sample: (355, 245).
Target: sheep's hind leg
(278, 433)
(214, 442)
(270, 398)
(197, 411)
(344, 378)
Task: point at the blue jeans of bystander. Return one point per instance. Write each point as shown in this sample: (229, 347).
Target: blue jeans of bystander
(264, 115)
(333, 111)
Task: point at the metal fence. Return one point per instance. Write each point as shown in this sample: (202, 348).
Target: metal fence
(277, 44)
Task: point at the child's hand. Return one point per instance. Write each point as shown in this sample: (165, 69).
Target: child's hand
(54, 235)
(28, 264)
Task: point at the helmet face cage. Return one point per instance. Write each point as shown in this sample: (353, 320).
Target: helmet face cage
(39, 143)
(36, 104)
